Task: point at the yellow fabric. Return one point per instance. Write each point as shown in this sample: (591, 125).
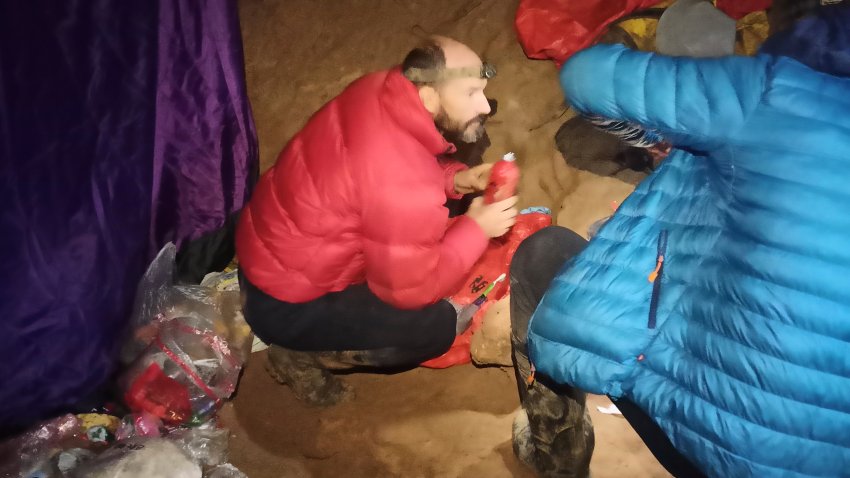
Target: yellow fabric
(753, 30)
(89, 420)
(642, 31)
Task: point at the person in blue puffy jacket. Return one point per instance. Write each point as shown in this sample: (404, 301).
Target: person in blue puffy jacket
(714, 306)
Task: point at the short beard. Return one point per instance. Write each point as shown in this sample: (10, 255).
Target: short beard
(455, 132)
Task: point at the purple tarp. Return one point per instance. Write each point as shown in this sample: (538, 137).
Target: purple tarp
(123, 125)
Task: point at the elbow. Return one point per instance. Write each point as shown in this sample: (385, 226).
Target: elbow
(587, 75)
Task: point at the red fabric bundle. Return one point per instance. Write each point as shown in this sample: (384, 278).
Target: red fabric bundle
(495, 261)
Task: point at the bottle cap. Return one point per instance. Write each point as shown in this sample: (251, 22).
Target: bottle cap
(509, 157)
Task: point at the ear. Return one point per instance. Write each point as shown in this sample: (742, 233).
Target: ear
(430, 98)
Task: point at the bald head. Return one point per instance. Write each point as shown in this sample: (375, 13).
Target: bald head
(451, 80)
(457, 55)
(440, 59)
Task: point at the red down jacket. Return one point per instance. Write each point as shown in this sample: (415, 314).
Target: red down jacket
(357, 195)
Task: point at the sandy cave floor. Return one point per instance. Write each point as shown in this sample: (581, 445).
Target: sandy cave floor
(446, 423)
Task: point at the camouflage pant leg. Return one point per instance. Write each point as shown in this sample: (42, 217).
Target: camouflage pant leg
(388, 357)
(561, 434)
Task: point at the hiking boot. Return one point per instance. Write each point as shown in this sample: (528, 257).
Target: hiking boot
(309, 381)
(521, 440)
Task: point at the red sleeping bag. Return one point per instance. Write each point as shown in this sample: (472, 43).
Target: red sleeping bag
(556, 29)
(738, 9)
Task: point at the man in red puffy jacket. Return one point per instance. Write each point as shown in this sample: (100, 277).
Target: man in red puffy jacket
(346, 249)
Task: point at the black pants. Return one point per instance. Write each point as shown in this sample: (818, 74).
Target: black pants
(561, 432)
(352, 320)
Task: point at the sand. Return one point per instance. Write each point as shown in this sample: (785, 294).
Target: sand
(421, 423)
(454, 422)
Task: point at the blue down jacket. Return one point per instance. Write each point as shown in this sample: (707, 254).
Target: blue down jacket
(740, 348)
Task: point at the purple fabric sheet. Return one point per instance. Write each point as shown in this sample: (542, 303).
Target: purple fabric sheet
(123, 125)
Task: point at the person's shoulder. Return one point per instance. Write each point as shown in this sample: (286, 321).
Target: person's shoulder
(370, 82)
(359, 101)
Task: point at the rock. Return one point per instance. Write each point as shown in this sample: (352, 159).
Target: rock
(588, 148)
(695, 28)
(590, 201)
(491, 344)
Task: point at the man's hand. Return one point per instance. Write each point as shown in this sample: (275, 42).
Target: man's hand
(494, 219)
(473, 179)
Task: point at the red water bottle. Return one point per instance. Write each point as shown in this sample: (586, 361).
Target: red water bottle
(503, 180)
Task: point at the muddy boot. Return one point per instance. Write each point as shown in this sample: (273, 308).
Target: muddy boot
(553, 434)
(309, 381)
(521, 439)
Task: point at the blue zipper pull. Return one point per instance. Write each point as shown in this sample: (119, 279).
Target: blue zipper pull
(531, 375)
(659, 260)
(655, 277)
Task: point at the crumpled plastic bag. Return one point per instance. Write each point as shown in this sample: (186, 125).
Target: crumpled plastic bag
(159, 300)
(31, 452)
(187, 348)
(58, 448)
(184, 453)
(140, 458)
(225, 471)
(139, 425)
(207, 445)
(184, 375)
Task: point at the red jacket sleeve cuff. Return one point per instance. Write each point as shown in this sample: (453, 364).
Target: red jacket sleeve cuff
(451, 168)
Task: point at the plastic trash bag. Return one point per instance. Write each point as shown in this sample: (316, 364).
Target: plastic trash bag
(193, 452)
(159, 300)
(58, 448)
(139, 425)
(184, 375)
(141, 458)
(225, 471)
(29, 454)
(187, 347)
(206, 446)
